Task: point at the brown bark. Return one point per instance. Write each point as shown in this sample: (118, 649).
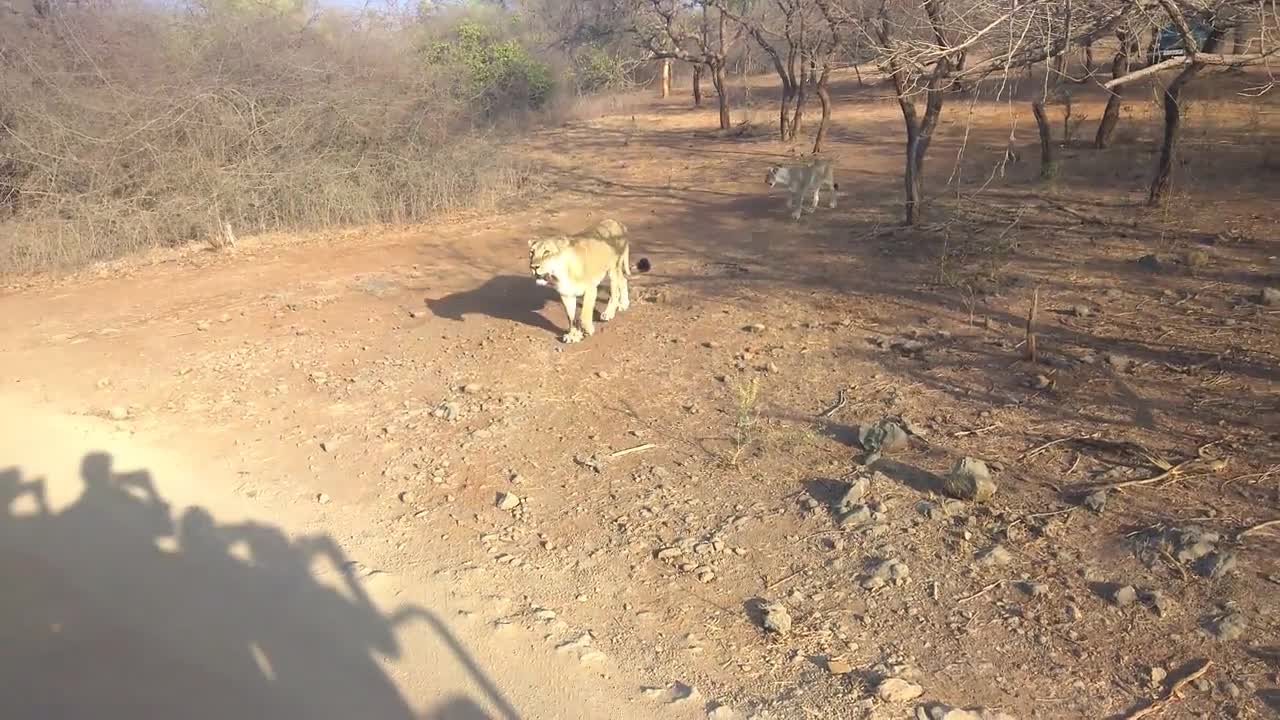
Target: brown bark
(697, 85)
(717, 80)
(666, 78)
(1048, 161)
(1127, 48)
(824, 97)
(1162, 181)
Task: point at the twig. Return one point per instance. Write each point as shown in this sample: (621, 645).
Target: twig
(628, 451)
(975, 431)
(1041, 448)
(981, 592)
(1031, 330)
(1170, 471)
(781, 580)
(1259, 527)
(1050, 513)
(839, 403)
(1172, 694)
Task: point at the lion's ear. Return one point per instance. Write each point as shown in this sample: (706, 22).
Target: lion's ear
(532, 241)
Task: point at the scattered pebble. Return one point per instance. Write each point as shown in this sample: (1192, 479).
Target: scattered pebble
(838, 666)
(897, 690)
(323, 498)
(1124, 596)
(1157, 675)
(1096, 501)
(754, 328)
(508, 501)
(118, 413)
(407, 497)
(1081, 311)
(776, 617)
(995, 556)
(472, 388)
(1034, 589)
(969, 479)
(1231, 626)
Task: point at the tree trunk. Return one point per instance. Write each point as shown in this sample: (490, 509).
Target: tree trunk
(1240, 38)
(697, 85)
(717, 80)
(1127, 47)
(666, 78)
(1162, 181)
(797, 118)
(1090, 66)
(1048, 163)
(788, 94)
(824, 97)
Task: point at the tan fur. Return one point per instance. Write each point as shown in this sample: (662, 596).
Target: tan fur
(803, 182)
(576, 265)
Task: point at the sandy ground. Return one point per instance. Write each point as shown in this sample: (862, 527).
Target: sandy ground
(271, 476)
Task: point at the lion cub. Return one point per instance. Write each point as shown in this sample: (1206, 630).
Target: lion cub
(803, 181)
(576, 265)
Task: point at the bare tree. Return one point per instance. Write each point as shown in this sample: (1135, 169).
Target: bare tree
(1121, 63)
(784, 45)
(675, 30)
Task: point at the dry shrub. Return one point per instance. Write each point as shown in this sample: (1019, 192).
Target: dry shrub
(124, 128)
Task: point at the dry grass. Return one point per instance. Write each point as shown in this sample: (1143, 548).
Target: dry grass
(112, 143)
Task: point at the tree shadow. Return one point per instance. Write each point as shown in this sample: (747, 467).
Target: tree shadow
(115, 609)
(514, 298)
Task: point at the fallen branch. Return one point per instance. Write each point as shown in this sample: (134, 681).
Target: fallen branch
(1173, 693)
(1259, 527)
(636, 449)
(1031, 330)
(1170, 471)
(981, 592)
(839, 403)
(975, 431)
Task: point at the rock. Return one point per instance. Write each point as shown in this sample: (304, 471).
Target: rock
(885, 572)
(838, 666)
(472, 388)
(704, 574)
(544, 614)
(754, 328)
(669, 553)
(1269, 297)
(1157, 675)
(1217, 564)
(1096, 501)
(1159, 601)
(969, 479)
(946, 712)
(1119, 363)
(118, 413)
(857, 515)
(1039, 382)
(447, 411)
(323, 498)
(897, 690)
(1081, 311)
(854, 495)
(508, 501)
(1155, 263)
(1034, 589)
(407, 497)
(995, 556)
(776, 618)
(723, 712)
(1124, 596)
(1229, 627)
(882, 437)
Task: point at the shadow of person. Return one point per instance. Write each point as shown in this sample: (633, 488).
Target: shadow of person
(513, 298)
(97, 620)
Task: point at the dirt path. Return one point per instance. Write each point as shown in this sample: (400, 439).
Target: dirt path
(380, 389)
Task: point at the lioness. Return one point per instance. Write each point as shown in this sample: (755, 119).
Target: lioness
(802, 181)
(575, 265)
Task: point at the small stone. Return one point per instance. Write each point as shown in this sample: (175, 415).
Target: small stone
(838, 666)
(203, 325)
(1124, 596)
(407, 497)
(1096, 501)
(1160, 602)
(508, 501)
(969, 479)
(704, 574)
(776, 618)
(1154, 263)
(1039, 382)
(447, 411)
(669, 553)
(322, 498)
(995, 556)
(723, 712)
(1119, 363)
(1269, 297)
(1034, 589)
(472, 388)
(1217, 564)
(544, 614)
(1157, 675)
(1231, 626)
(882, 437)
(897, 690)
(754, 328)
(118, 413)
(1081, 311)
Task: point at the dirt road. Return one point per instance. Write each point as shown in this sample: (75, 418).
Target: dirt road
(358, 402)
